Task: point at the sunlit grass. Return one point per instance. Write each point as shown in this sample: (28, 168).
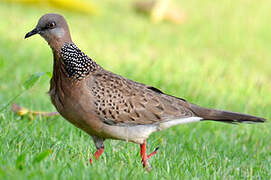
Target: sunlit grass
(219, 58)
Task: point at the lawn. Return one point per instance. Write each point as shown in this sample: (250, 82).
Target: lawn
(219, 58)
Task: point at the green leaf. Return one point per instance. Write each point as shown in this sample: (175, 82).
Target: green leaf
(49, 74)
(32, 80)
(43, 155)
(20, 162)
(10, 101)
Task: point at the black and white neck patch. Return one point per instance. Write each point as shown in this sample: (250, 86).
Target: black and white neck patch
(77, 64)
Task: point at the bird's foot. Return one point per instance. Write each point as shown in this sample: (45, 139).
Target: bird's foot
(97, 154)
(145, 157)
(153, 153)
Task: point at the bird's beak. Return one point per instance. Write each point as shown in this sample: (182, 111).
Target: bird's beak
(31, 33)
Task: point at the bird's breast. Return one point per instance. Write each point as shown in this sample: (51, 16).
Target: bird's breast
(75, 104)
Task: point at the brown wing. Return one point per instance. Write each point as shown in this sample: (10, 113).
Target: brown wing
(122, 101)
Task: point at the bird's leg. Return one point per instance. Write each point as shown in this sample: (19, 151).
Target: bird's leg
(100, 147)
(145, 157)
(97, 154)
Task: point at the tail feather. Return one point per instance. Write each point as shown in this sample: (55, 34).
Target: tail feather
(224, 116)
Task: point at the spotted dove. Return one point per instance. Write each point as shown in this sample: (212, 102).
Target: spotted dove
(108, 106)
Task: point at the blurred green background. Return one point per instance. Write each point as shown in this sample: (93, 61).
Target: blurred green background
(220, 57)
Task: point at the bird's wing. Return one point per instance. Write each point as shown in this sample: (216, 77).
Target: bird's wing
(121, 101)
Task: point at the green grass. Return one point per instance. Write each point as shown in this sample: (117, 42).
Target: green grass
(219, 58)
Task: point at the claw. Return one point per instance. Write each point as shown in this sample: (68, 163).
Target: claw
(153, 153)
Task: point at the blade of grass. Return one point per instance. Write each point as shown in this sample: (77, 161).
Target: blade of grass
(29, 83)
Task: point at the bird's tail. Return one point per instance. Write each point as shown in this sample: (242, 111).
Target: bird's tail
(224, 116)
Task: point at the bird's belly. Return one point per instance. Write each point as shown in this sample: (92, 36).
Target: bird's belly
(78, 114)
(136, 133)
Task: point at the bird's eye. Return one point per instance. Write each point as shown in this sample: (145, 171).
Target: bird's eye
(51, 25)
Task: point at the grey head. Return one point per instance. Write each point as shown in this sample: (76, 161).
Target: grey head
(53, 28)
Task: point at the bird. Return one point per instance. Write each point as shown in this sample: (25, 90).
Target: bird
(108, 106)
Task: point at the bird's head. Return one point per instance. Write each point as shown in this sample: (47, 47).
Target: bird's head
(53, 28)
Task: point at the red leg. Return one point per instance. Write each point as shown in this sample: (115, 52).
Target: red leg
(90, 161)
(144, 155)
(98, 153)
